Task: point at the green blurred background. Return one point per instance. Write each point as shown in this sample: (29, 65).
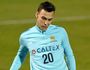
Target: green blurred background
(17, 16)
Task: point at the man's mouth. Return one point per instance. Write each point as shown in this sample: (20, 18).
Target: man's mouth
(45, 27)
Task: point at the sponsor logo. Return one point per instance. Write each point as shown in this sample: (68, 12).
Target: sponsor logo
(33, 51)
(52, 38)
(46, 49)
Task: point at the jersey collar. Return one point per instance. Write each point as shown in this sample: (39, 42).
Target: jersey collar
(41, 31)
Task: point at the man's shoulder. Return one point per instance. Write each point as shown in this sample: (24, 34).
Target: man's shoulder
(56, 27)
(28, 32)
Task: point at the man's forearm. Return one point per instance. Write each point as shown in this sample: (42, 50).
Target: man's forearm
(16, 63)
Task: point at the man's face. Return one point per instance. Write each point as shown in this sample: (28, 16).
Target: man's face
(44, 19)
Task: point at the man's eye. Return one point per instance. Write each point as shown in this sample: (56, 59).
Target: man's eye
(44, 18)
(49, 19)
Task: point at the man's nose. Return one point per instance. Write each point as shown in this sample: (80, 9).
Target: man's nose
(46, 23)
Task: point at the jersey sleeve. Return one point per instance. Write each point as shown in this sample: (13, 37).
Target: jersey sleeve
(70, 59)
(21, 54)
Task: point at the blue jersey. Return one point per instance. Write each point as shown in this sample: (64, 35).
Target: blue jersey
(49, 50)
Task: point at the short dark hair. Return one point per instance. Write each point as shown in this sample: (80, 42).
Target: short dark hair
(47, 6)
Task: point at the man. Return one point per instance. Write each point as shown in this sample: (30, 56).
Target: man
(47, 44)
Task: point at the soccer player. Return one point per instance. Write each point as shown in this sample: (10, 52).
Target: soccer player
(47, 44)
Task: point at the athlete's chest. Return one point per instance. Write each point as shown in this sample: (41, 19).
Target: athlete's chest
(42, 43)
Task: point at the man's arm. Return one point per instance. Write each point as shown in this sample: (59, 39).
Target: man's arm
(19, 57)
(70, 60)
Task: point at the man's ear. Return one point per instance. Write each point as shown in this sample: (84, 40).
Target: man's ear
(36, 14)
